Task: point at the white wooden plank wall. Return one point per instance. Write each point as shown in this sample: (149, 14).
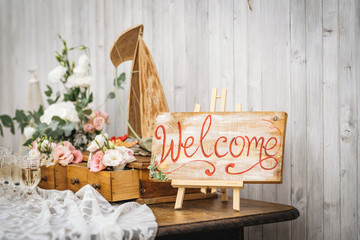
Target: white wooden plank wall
(302, 57)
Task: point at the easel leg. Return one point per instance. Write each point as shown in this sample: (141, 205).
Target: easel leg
(236, 199)
(179, 198)
(224, 196)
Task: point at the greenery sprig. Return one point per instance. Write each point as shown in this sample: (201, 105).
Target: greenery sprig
(156, 173)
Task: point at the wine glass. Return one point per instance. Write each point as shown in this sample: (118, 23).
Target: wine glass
(30, 173)
(15, 169)
(6, 167)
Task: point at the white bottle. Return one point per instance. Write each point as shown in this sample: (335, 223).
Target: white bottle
(34, 97)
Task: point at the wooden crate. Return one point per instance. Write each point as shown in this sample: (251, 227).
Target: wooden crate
(53, 177)
(77, 176)
(131, 183)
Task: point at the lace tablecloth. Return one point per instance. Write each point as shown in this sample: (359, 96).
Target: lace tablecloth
(52, 214)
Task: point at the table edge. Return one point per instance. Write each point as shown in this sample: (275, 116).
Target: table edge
(229, 223)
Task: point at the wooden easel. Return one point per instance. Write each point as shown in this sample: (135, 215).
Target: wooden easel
(182, 184)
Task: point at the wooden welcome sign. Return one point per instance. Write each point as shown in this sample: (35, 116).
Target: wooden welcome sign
(239, 146)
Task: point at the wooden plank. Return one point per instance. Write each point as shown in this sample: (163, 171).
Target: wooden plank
(314, 145)
(241, 64)
(332, 194)
(236, 199)
(101, 181)
(298, 122)
(179, 198)
(254, 90)
(125, 185)
(179, 60)
(210, 183)
(77, 176)
(275, 97)
(215, 160)
(349, 132)
(60, 173)
(172, 198)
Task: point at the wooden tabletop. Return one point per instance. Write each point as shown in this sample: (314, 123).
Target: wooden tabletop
(198, 216)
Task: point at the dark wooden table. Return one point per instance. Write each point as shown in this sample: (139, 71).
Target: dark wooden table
(213, 219)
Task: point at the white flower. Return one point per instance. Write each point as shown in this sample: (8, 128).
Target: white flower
(127, 153)
(45, 145)
(83, 66)
(64, 110)
(28, 132)
(99, 140)
(34, 153)
(56, 74)
(92, 147)
(84, 61)
(74, 81)
(112, 158)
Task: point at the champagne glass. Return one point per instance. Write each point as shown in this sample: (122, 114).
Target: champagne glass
(15, 169)
(6, 168)
(30, 173)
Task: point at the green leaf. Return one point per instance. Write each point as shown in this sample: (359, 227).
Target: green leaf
(87, 111)
(49, 91)
(6, 120)
(119, 80)
(53, 125)
(91, 98)
(1, 131)
(50, 101)
(28, 142)
(111, 95)
(122, 77)
(42, 126)
(69, 126)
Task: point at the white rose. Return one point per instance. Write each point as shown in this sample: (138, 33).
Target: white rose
(101, 139)
(56, 74)
(112, 158)
(80, 71)
(84, 61)
(127, 153)
(93, 147)
(34, 153)
(70, 83)
(28, 132)
(75, 81)
(64, 110)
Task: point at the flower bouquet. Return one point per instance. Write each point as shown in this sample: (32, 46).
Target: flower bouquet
(51, 153)
(104, 154)
(68, 119)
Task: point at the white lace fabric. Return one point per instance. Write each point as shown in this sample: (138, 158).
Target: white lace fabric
(52, 214)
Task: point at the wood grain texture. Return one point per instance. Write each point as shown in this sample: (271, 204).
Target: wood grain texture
(77, 172)
(332, 203)
(202, 146)
(201, 44)
(315, 123)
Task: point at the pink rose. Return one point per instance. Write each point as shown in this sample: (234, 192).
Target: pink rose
(78, 157)
(105, 116)
(99, 123)
(89, 127)
(96, 164)
(62, 155)
(68, 145)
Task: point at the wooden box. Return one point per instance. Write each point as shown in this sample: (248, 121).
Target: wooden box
(53, 177)
(131, 183)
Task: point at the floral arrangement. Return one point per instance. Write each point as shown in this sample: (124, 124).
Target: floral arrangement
(68, 117)
(51, 153)
(107, 154)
